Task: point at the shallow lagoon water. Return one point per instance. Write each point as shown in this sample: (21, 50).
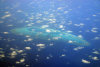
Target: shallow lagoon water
(75, 17)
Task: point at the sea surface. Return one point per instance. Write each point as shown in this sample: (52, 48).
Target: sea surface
(77, 17)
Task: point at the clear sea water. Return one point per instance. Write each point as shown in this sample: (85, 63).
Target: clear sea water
(78, 17)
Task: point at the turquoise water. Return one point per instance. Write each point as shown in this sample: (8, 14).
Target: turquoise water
(47, 34)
